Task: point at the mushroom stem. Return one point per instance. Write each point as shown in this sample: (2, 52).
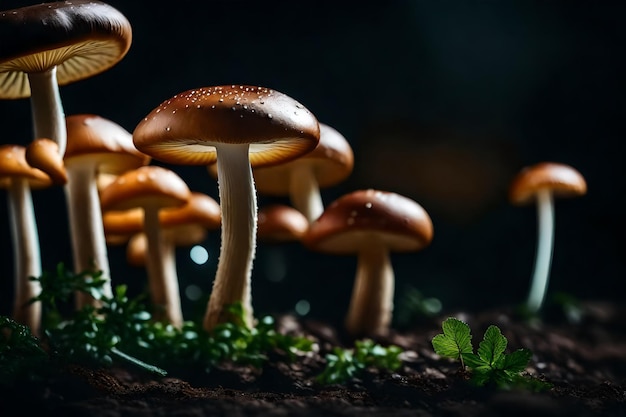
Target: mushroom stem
(26, 253)
(543, 258)
(86, 229)
(162, 276)
(371, 304)
(239, 222)
(305, 192)
(46, 108)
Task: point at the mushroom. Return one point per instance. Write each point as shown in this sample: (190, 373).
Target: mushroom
(541, 183)
(18, 178)
(371, 224)
(328, 164)
(95, 145)
(56, 43)
(280, 223)
(237, 126)
(43, 153)
(183, 226)
(152, 188)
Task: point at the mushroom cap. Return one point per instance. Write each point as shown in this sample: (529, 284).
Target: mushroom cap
(185, 129)
(146, 186)
(80, 37)
(363, 217)
(13, 165)
(200, 209)
(97, 138)
(281, 223)
(561, 179)
(331, 162)
(43, 153)
(122, 222)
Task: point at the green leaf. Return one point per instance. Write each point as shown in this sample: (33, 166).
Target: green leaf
(516, 361)
(455, 341)
(492, 346)
(474, 361)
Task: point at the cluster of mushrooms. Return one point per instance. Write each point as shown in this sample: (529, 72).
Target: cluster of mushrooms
(251, 139)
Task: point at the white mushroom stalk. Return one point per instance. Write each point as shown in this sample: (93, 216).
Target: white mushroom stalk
(371, 304)
(46, 108)
(545, 244)
(162, 275)
(26, 254)
(85, 222)
(239, 223)
(305, 193)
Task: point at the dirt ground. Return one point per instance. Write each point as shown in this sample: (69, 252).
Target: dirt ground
(585, 362)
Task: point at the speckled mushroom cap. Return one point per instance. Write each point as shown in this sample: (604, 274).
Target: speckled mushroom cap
(81, 38)
(185, 129)
(561, 179)
(43, 153)
(331, 162)
(280, 223)
(146, 186)
(94, 137)
(13, 165)
(356, 220)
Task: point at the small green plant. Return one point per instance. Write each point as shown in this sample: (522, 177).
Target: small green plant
(490, 364)
(345, 364)
(122, 328)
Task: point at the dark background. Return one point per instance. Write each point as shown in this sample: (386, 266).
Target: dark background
(442, 101)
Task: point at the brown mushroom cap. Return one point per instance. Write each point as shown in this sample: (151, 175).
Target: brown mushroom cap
(561, 179)
(351, 222)
(13, 165)
(94, 137)
(331, 162)
(186, 128)
(80, 37)
(122, 222)
(281, 223)
(145, 186)
(43, 153)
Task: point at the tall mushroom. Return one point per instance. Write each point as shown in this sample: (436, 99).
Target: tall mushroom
(152, 188)
(237, 126)
(371, 224)
(57, 43)
(94, 145)
(541, 183)
(18, 178)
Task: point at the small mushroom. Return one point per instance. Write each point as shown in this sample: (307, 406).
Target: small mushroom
(237, 127)
(18, 178)
(279, 223)
(183, 226)
(43, 153)
(371, 224)
(56, 43)
(540, 184)
(152, 188)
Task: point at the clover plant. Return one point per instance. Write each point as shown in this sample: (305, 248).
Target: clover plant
(490, 364)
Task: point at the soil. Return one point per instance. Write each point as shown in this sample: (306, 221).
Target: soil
(585, 361)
